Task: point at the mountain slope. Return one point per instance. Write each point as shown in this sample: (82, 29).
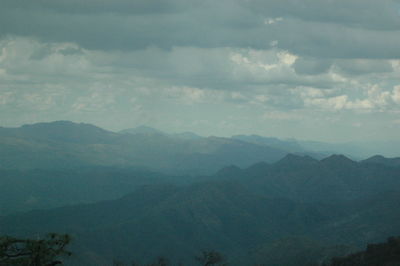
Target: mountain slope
(335, 201)
(379, 159)
(23, 190)
(176, 222)
(335, 178)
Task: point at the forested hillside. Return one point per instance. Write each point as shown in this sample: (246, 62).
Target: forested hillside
(317, 209)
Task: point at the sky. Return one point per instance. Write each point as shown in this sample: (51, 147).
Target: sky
(312, 69)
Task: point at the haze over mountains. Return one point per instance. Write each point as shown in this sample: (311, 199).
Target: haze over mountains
(66, 144)
(58, 145)
(141, 193)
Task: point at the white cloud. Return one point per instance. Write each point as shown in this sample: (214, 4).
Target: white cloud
(396, 94)
(332, 103)
(191, 95)
(270, 21)
(378, 97)
(261, 98)
(286, 58)
(63, 80)
(277, 115)
(99, 98)
(6, 97)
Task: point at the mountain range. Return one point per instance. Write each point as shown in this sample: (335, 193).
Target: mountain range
(64, 144)
(326, 208)
(142, 193)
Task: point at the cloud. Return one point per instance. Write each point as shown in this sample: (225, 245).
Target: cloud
(98, 99)
(396, 94)
(232, 63)
(6, 97)
(350, 29)
(376, 99)
(270, 21)
(277, 115)
(363, 66)
(189, 74)
(354, 13)
(312, 66)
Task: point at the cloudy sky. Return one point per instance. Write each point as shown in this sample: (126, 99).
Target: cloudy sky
(311, 69)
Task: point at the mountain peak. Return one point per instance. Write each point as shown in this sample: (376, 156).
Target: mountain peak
(379, 159)
(62, 124)
(335, 159)
(294, 158)
(65, 131)
(375, 159)
(50, 124)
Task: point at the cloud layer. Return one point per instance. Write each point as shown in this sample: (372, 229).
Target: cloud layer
(311, 69)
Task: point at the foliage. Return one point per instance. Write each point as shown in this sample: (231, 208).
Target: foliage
(41, 252)
(383, 254)
(208, 258)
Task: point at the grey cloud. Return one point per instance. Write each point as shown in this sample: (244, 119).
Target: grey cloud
(362, 66)
(96, 6)
(41, 53)
(204, 25)
(70, 51)
(210, 68)
(339, 29)
(324, 40)
(367, 14)
(190, 83)
(311, 66)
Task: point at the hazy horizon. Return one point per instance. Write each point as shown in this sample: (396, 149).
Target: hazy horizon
(312, 70)
(359, 142)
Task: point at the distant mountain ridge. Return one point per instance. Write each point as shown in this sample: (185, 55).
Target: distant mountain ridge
(356, 150)
(60, 131)
(67, 145)
(289, 145)
(142, 130)
(379, 159)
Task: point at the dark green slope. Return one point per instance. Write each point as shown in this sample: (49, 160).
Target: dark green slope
(333, 179)
(178, 222)
(23, 190)
(370, 219)
(175, 222)
(382, 254)
(297, 250)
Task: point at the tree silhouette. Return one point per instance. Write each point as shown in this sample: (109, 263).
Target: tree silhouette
(382, 254)
(29, 252)
(210, 258)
